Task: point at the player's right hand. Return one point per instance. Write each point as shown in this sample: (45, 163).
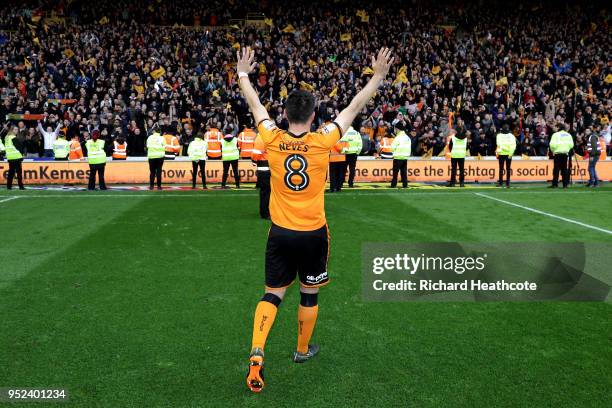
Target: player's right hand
(382, 62)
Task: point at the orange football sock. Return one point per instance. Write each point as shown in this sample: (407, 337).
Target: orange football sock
(307, 318)
(265, 313)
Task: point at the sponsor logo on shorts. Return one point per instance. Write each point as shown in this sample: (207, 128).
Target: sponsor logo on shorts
(316, 279)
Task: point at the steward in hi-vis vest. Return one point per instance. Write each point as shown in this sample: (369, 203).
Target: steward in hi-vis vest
(402, 149)
(96, 156)
(506, 145)
(230, 155)
(561, 143)
(246, 139)
(355, 144)
(15, 149)
(385, 150)
(76, 151)
(120, 149)
(61, 147)
(197, 155)
(213, 139)
(156, 149)
(458, 148)
(172, 147)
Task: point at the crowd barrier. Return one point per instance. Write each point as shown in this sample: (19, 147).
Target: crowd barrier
(136, 171)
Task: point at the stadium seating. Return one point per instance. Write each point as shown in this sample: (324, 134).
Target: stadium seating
(122, 66)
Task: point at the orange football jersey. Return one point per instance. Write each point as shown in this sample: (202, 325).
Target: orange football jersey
(298, 173)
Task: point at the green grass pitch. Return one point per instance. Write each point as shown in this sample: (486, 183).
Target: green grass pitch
(146, 299)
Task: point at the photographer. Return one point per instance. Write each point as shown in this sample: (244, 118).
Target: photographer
(594, 151)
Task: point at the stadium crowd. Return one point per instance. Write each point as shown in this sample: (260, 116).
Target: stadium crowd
(123, 66)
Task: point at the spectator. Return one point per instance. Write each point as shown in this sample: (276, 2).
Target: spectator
(49, 135)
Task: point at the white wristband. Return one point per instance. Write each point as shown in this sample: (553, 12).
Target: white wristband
(243, 75)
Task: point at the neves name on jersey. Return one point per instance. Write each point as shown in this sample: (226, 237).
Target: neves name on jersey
(293, 145)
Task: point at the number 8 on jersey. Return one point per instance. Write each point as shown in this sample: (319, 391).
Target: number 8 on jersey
(296, 177)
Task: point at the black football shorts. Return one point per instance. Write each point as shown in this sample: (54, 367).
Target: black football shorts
(291, 253)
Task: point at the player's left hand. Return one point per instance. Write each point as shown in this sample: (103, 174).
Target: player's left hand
(246, 60)
(382, 62)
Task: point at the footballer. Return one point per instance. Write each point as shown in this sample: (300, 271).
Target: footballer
(298, 240)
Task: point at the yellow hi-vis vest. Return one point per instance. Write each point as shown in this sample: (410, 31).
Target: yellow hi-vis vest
(561, 142)
(506, 144)
(11, 151)
(459, 148)
(95, 151)
(61, 148)
(156, 146)
(229, 150)
(402, 146)
(354, 140)
(197, 149)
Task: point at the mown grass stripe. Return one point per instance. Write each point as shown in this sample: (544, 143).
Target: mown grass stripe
(558, 217)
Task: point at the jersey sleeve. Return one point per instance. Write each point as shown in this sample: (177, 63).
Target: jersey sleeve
(258, 149)
(267, 130)
(330, 134)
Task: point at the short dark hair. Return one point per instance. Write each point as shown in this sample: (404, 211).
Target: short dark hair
(299, 106)
(399, 125)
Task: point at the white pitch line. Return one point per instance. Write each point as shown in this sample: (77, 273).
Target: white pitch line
(582, 224)
(9, 199)
(381, 193)
(405, 193)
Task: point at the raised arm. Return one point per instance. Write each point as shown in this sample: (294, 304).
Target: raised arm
(380, 65)
(4, 130)
(246, 64)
